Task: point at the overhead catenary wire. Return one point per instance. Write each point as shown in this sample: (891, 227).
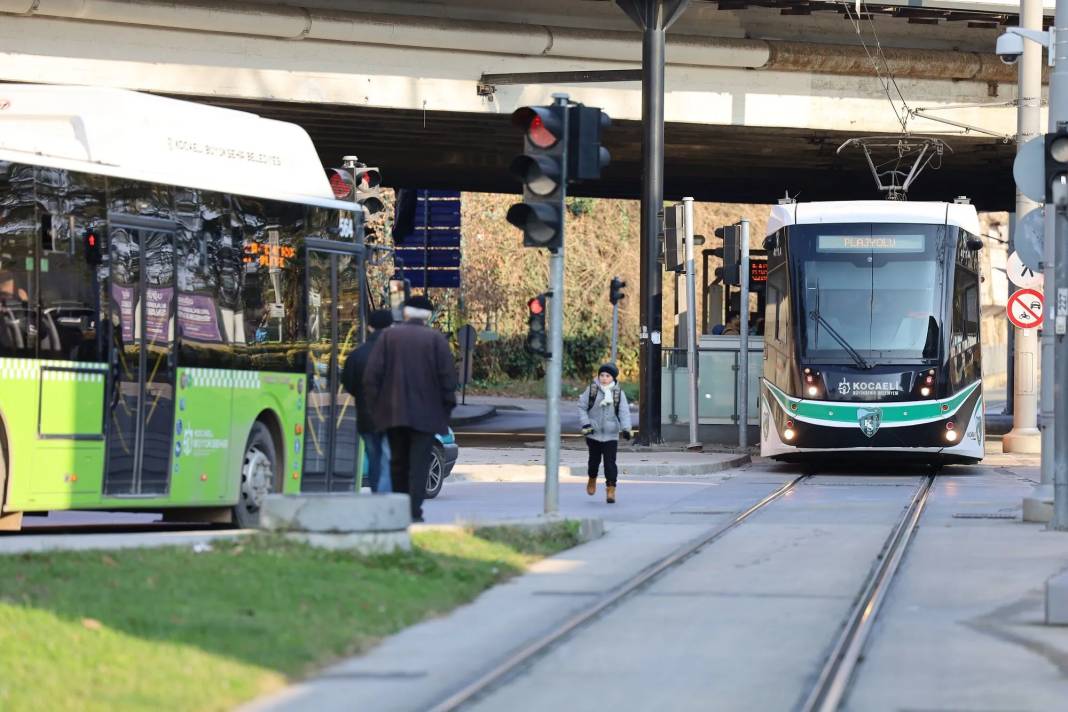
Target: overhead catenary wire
(887, 82)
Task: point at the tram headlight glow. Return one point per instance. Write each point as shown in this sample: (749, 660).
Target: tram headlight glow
(788, 434)
(813, 391)
(951, 435)
(925, 391)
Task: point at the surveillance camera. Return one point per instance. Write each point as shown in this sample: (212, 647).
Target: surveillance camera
(1009, 47)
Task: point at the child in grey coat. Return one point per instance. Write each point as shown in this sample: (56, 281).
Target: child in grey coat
(605, 417)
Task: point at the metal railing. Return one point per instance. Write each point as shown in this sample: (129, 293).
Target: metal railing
(717, 384)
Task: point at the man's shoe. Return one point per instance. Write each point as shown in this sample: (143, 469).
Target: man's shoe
(611, 494)
(591, 486)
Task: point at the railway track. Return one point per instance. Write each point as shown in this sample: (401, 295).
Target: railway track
(840, 662)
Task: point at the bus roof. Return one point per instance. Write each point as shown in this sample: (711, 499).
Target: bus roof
(961, 215)
(128, 134)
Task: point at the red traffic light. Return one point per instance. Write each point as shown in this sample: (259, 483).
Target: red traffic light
(340, 183)
(536, 305)
(542, 124)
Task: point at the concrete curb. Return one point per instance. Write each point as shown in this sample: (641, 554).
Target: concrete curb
(590, 528)
(42, 543)
(479, 413)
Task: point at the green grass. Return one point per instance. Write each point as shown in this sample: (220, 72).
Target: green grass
(170, 629)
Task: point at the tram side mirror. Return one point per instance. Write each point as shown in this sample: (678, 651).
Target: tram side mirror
(771, 242)
(974, 244)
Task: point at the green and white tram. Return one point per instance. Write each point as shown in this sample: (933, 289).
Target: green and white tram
(871, 334)
(178, 287)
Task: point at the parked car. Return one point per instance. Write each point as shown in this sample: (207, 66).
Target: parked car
(446, 452)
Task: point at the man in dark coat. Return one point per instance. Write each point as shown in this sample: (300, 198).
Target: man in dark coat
(375, 445)
(410, 384)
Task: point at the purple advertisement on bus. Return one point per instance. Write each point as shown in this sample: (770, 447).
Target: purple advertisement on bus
(126, 299)
(158, 313)
(197, 318)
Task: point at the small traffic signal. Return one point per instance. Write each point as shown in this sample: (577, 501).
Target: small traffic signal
(358, 179)
(674, 238)
(615, 290)
(1057, 166)
(94, 252)
(537, 336)
(732, 253)
(586, 156)
(542, 168)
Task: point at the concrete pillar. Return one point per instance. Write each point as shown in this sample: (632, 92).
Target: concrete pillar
(1025, 436)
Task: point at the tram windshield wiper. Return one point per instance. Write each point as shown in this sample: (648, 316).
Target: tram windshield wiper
(815, 314)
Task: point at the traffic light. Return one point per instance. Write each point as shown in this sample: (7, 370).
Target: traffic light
(94, 251)
(542, 169)
(674, 238)
(1057, 166)
(586, 156)
(731, 253)
(615, 290)
(358, 178)
(537, 336)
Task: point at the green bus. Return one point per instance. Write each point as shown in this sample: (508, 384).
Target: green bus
(178, 291)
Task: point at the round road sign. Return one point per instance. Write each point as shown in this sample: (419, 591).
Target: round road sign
(1030, 239)
(1025, 308)
(1029, 169)
(1020, 274)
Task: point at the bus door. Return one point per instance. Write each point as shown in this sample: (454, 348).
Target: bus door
(141, 382)
(331, 446)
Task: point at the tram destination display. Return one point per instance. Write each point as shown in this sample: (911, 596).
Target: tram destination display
(870, 243)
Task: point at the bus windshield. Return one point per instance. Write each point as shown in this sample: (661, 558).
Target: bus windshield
(868, 293)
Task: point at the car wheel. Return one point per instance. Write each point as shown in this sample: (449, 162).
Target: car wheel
(436, 476)
(259, 474)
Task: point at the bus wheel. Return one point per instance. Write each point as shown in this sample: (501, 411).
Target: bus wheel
(258, 474)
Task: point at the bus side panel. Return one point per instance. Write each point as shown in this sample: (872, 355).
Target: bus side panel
(61, 467)
(283, 395)
(201, 474)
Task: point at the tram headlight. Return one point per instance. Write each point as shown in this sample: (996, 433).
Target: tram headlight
(813, 391)
(813, 382)
(951, 432)
(925, 382)
(788, 433)
(925, 391)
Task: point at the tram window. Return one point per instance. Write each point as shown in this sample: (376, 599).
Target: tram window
(69, 203)
(18, 227)
(971, 311)
(965, 310)
(137, 198)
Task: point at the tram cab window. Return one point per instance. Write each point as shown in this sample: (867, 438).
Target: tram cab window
(18, 228)
(965, 310)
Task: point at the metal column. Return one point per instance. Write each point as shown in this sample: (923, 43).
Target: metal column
(691, 323)
(743, 348)
(554, 369)
(1024, 436)
(1057, 293)
(653, 17)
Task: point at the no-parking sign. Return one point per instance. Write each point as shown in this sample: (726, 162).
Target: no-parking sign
(1025, 308)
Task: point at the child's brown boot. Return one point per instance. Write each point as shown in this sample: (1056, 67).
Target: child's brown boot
(591, 486)
(610, 491)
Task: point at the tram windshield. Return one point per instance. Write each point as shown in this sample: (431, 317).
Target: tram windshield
(869, 293)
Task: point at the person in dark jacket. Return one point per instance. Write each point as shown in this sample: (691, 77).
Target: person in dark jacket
(410, 383)
(375, 444)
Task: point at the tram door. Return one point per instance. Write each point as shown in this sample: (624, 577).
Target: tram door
(141, 382)
(331, 447)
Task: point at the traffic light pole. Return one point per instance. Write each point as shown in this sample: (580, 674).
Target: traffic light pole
(691, 323)
(743, 340)
(554, 369)
(615, 330)
(1057, 293)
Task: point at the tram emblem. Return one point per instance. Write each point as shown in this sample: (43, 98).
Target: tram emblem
(843, 387)
(870, 419)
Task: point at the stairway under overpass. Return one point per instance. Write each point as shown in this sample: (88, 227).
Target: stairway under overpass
(471, 151)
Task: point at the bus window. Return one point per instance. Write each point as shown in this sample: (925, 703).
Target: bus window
(271, 234)
(207, 314)
(18, 223)
(69, 204)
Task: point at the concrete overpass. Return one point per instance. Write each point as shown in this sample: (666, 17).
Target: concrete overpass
(759, 94)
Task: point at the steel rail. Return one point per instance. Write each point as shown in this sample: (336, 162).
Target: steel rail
(837, 672)
(485, 680)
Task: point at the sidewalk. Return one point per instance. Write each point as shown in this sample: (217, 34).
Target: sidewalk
(527, 464)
